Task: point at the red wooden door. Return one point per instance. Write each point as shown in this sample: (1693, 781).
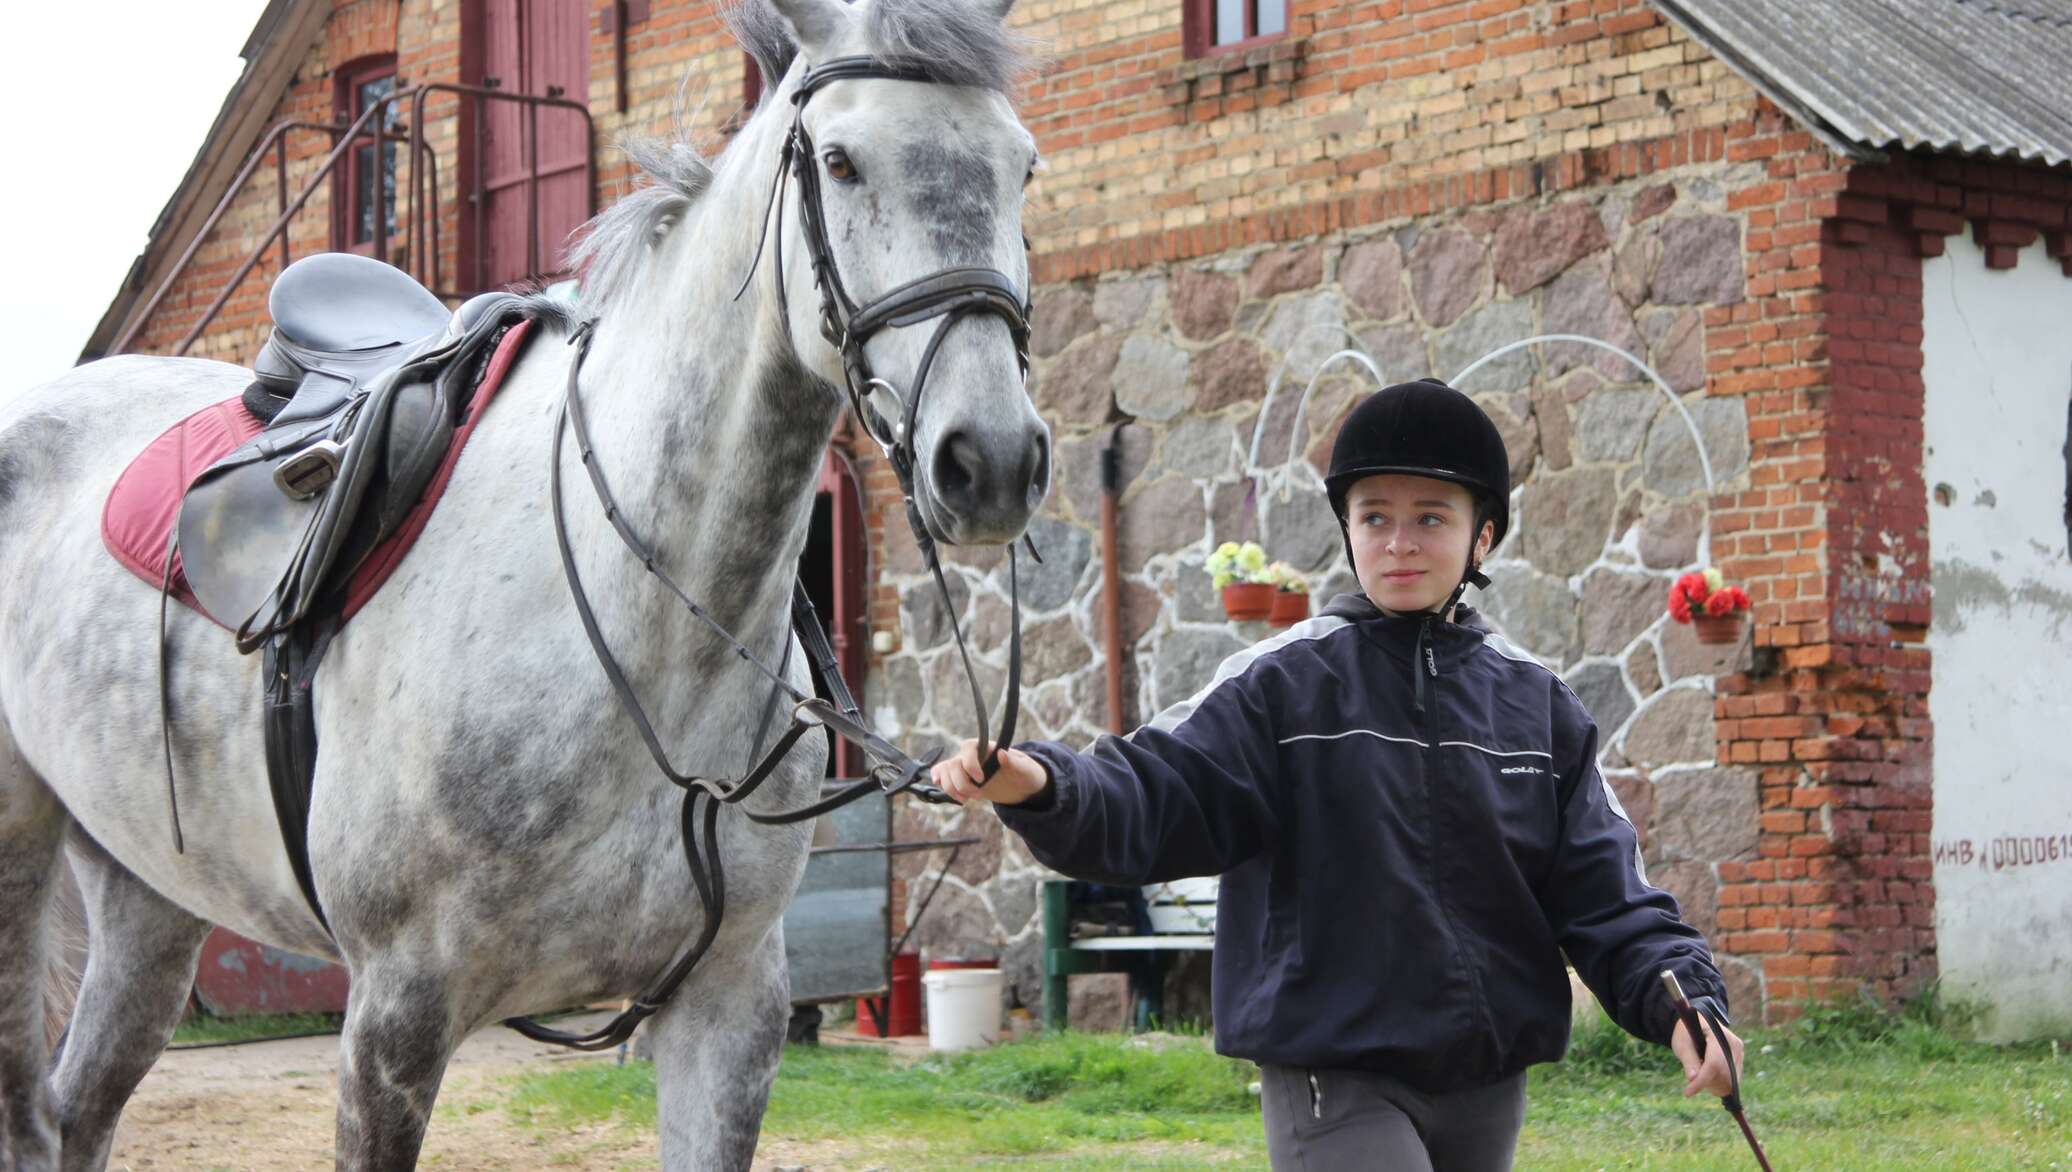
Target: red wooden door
(533, 186)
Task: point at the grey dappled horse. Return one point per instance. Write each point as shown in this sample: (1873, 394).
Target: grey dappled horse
(489, 836)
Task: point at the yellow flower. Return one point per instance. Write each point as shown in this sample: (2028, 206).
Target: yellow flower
(1714, 579)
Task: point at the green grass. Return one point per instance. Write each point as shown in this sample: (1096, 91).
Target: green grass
(1851, 1089)
(1080, 1096)
(201, 1028)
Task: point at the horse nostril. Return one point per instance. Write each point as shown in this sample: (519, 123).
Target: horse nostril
(957, 465)
(1039, 471)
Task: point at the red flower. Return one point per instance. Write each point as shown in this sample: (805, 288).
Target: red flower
(1721, 602)
(1693, 587)
(1740, 597)
(1679, 606)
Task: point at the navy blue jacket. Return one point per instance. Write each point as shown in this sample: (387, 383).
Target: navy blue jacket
(1406, 854)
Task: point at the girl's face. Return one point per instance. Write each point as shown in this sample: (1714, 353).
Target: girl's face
(1410, 539)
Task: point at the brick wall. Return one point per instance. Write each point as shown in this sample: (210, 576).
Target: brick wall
(1842, 894)
(1367, 112)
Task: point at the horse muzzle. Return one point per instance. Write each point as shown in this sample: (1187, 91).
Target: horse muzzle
(980, 484)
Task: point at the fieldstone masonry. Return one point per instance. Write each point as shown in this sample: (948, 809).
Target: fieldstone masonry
(1609, 501)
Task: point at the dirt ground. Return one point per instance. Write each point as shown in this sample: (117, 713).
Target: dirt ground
(269, 1106)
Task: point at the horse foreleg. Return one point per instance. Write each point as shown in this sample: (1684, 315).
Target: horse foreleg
(716, 1051)
(32, 825)
(141, 955)
(399, 1034)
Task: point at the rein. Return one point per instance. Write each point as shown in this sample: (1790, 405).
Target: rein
(950, 295)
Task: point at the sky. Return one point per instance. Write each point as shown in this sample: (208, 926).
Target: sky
(114, 102)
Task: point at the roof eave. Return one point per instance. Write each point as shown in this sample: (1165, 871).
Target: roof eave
(1818, 123)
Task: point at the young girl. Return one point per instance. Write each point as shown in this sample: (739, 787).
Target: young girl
(1411, 829)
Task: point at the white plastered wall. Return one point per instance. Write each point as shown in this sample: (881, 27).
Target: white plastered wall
(1998, 371)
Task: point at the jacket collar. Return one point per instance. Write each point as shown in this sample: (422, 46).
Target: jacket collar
(1397, 634)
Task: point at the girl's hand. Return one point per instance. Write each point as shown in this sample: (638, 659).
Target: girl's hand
(1711, 1073)
(1019, 778)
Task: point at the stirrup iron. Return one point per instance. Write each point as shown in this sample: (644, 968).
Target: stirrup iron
(309, 471)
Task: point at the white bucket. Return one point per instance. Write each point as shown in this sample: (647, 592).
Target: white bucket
(963, 1008)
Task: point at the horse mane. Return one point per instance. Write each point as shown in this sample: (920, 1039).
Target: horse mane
(962, 42)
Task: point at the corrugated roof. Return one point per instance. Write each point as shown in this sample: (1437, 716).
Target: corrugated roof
(1976, 77)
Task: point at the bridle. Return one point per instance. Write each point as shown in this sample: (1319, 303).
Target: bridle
(948, 296)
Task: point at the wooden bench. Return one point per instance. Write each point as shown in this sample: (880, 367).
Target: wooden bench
(1183, 919)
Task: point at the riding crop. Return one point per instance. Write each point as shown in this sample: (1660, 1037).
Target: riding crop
(1691, 1018)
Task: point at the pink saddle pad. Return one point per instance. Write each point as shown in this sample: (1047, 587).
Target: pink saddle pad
(138, 517)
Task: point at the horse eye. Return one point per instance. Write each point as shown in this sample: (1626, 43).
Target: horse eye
(840, 168)
(1029, 178)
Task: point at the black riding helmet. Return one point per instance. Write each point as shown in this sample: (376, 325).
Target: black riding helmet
(1424, 428)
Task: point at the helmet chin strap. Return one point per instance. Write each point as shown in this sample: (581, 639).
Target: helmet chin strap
(1471, 574)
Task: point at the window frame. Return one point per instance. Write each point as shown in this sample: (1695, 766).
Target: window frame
(348, 79)
(1198, 28)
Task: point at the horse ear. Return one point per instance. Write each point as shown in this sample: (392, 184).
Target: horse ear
(1001, 8)
(814, 23)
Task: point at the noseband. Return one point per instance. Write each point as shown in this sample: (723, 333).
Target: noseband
(948, 295)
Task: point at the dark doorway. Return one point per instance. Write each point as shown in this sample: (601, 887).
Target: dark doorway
(833, 572)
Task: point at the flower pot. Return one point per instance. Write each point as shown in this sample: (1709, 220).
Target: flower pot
(1248, 601)
(1725, 628)
(1289, 607)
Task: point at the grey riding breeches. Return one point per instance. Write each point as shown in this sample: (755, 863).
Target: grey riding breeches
(1333, 1120)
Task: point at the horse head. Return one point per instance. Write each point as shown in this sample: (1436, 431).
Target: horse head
(905, 268)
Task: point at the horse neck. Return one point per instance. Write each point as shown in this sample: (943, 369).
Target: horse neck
(709, 430)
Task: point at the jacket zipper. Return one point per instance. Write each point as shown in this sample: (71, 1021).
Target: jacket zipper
(1425, 667)
(1426, 670)
(1316, 1097)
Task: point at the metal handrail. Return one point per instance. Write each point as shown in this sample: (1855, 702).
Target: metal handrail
(275, 138)
(421, 215)
(427, 261)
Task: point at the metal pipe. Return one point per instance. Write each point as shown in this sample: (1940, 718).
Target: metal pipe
(532, 192)
(480, 215)
(280, 184)
(620, 12)
(432, 186)
(380, 188)
(413, 242)
(1111, 576)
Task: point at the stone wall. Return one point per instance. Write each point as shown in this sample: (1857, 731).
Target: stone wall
(1610, 501)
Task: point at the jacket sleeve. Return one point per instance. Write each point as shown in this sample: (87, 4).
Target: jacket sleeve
(1619, 932)
(1187, 794)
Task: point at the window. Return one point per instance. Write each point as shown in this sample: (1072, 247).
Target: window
(1215, 26)
(370, 166)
